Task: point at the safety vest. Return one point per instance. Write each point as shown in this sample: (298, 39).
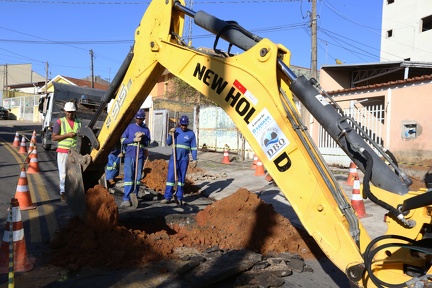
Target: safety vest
(65, 128)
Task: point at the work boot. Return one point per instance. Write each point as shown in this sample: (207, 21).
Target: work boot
(165, 201)
(111, 183)
(125, 204)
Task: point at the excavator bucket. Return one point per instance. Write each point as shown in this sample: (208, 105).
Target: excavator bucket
(75, 196)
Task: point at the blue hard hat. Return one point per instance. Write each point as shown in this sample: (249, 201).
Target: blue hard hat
(140, 114)
(184, 120)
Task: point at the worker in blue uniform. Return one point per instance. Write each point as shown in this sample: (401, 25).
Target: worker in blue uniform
(136, 136)
(112, 167)
(184, 144)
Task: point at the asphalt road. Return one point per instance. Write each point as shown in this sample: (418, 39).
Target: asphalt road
(41, 223)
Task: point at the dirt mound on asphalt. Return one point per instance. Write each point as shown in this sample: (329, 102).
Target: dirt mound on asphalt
(155, 175)
(238, 221)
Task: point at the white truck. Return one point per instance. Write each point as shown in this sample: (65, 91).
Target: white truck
(51, 106)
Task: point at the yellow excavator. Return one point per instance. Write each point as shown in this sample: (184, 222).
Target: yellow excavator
(256, 88)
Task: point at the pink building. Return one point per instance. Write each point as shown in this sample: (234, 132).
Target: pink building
(390, 100)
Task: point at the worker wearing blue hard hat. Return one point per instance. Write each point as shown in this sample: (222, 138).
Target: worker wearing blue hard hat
(184, 143)
(135, 139)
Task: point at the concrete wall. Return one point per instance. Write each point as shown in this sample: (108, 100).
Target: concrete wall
(334, 79)
(407, 106)
(410, 108)
(407, 40)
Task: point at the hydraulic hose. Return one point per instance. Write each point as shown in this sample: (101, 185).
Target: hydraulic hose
(369, 255)
(366, 186)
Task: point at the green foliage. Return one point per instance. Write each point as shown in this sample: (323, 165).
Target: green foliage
(182, 91)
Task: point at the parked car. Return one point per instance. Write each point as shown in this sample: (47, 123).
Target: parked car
(4, 113)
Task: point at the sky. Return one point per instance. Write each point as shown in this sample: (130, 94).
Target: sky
(61, 33)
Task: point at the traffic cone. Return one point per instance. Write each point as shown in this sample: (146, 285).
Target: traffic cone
(16, 142)
(259, 171)
(34, 163)
(255, 159)
(352, 174)
(22, 192)
(30, 149)
(225, 159)
(268, 177)
(31, 146)
(357, 200)
(34, 137)
(23, 147)
(13, 245)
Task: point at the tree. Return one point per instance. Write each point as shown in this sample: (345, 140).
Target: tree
(182, 91)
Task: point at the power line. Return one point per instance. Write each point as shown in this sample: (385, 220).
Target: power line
(340, 14)
(52, 41)
(146, 3)
(67, 42)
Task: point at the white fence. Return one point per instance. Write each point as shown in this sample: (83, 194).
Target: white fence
(23, 107)
(370, 119)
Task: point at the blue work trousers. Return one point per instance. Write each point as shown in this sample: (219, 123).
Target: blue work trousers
(110, 174)
(182, 166)
(129, 176)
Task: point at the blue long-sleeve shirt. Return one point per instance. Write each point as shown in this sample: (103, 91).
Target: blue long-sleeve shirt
(185, 143)
(129, 135)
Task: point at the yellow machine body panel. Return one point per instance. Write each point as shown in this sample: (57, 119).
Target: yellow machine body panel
(255, 92)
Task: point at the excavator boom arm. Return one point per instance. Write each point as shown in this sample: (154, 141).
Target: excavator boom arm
(255, 89)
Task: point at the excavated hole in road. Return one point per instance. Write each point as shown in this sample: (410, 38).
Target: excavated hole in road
(239, 221)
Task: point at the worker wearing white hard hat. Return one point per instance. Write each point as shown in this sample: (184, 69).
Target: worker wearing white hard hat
(65, 131)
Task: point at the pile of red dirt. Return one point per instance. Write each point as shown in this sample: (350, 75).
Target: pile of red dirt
(155, 175)
(238, 221)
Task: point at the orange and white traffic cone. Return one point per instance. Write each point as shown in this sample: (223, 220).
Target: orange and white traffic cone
(31, 146)
(225, 159)
(30, 149)
(259, 171)
(34, 137)
(268, 177)
(357, 200)
(352, 174)
(13, 247)
(23, 147)
(34, 163)
(22, 192)
(16, 142)
(255, 159)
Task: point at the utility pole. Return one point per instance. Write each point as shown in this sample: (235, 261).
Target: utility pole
(189, 23)
(314, 56)
(92, 68)
(46, 77)
(304, 113)
(6, 85)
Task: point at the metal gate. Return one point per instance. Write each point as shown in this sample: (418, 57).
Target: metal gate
(164, 120)
(23, 106)
(216, 129)
(370, 119)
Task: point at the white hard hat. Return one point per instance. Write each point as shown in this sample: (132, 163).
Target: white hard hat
(69, 106)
